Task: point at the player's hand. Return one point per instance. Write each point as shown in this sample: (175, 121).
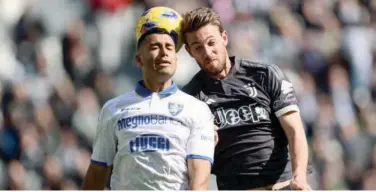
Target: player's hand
(216, 138)
(299, 183)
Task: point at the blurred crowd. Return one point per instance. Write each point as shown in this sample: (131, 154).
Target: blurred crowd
(61, 60)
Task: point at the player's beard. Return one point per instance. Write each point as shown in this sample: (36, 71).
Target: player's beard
(215, 68)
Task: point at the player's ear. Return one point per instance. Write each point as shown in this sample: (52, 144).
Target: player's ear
(225, 37)
(188, 49)
(138, 59)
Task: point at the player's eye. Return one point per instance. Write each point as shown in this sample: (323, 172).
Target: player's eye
(169, 47)
(211, 43)
(198, 48)
(154, 47)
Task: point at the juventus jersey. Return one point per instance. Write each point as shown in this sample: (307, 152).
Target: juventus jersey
(246, 105)
(148, 136)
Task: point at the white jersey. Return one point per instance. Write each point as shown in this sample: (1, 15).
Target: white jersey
(147, 137)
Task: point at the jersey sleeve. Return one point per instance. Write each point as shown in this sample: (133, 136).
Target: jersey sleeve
(104, 146)
(201, 140)
(281, 91)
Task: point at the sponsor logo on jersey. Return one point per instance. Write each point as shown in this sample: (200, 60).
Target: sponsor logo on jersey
(149, 143)
(252, 91)
(207, 138)
(243, 115)
(175, 108)
(286, 87)
(146, 120)
(130, 109)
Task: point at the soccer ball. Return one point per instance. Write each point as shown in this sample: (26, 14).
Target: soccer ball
(161, 17)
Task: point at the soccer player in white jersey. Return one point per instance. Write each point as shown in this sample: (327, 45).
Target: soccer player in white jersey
(155, 137)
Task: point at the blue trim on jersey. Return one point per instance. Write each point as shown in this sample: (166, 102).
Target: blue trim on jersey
(191, 156)
(99, 163)
(145, 92)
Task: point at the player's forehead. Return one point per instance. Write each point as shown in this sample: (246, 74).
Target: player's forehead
(203, 34)
(157, 38)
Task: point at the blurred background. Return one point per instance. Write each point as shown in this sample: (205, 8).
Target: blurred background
(61, 60)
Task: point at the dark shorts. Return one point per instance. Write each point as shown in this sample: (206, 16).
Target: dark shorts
(243, 182)
(251, 182)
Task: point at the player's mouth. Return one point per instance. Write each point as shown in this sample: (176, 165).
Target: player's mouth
(163, 63)
(210, 61)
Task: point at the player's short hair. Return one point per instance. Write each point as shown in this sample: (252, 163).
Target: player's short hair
(200, 17)
(156, 30)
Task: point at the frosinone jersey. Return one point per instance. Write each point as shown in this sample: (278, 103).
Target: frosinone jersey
(147, 137)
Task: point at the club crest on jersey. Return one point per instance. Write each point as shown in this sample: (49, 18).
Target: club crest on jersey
(252, 91)
(175, 108)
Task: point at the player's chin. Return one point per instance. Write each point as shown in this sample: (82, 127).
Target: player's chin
(166, 71)
(213, 70)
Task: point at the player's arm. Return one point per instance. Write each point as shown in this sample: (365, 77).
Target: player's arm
(286, 109)
(199, 173)
(96, 177)
(200, 150)
(104, 149)
(292, 124)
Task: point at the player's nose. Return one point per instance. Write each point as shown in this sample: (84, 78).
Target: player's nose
(163, 52)
(207, 51)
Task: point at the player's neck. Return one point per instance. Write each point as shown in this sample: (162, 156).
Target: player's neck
(156, 86)
(225, 71)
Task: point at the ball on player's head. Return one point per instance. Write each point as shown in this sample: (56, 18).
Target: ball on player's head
(160, 19)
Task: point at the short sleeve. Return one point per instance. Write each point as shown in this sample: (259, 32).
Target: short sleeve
(104, 146)
(201, 140)
(281, 91)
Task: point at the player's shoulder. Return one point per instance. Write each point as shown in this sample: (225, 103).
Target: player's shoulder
(197, 110)
(267, 69)
(198, 76)
(255, 64)
(120, 101)
(191, 101)
(195, 84)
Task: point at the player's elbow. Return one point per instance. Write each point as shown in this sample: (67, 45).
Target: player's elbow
(199, 184)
